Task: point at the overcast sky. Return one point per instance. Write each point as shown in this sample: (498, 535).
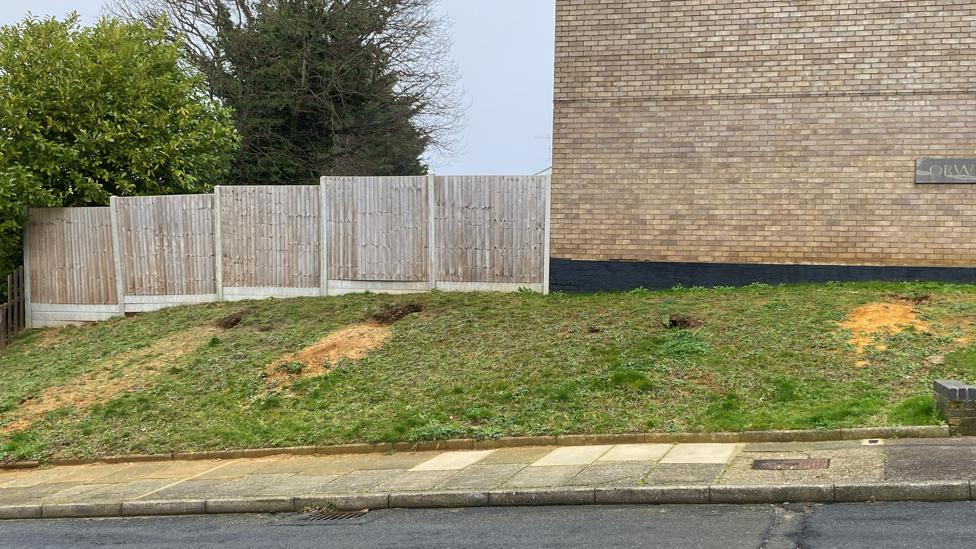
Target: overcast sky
(504, 49)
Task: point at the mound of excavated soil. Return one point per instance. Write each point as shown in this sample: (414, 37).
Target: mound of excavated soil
(352, 343)
(108, 378)
(880, 318)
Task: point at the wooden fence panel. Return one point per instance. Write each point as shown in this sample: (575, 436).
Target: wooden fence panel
(167, 245)
(491, 229)
(13, 317)
(270, 236)
(378, 229)
(71, 259)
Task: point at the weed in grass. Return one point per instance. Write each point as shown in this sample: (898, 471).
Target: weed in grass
(631, 379)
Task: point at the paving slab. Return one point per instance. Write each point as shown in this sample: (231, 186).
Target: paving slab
(837, 444)
(297, 486)
(6, 476)
(701, 453)
(187, 490)
(38, 477)
(133, 473)
(333, 465)
(72, 492)
(399, 460)
(43, 490)
(614, 473)
(534, 477)
(779, 447)
(245, 486)
(453, 461)
(517, 455)
(572, 455)
(185, 469)
(231, 469)
(412, 481)
(637, 452)
(952, 459)
(685, 473)
(865, 464)
(293, 466)
(360, 481)
(123, 492)
(91, 473)
(482, 477)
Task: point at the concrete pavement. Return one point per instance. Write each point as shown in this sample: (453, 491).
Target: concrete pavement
(859, 470)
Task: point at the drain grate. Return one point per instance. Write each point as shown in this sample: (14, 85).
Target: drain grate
(338, 515)
(790, 464)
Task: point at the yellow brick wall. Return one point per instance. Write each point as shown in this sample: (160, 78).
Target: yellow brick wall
(763, 132)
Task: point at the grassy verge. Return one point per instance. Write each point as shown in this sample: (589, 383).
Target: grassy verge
(485, 365)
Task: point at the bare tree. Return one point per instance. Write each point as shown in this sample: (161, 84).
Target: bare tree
(346, 87)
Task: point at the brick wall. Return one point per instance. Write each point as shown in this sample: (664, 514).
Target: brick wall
(763, 132)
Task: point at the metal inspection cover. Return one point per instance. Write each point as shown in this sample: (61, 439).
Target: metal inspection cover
(790, 464)
(338, 515)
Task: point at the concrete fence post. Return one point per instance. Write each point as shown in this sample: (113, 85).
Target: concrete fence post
(117, 253)
(548, 236)
(431, 231)
(323, 238)
(218, 246)
(28, 317)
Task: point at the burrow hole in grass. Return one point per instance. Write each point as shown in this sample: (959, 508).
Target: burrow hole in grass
(395, 312)
(682, 322)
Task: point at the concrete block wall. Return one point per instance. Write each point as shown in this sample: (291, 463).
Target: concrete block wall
(767, 132)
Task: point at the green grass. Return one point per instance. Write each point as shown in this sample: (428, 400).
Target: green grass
(492, 365)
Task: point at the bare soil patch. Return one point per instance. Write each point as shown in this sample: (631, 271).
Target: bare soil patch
(880, 318)
(684, 322)
(109, 378)
(313, 361)
(396, 312)
(233, 319)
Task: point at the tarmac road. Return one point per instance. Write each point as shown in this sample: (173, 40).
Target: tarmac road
(888, 526)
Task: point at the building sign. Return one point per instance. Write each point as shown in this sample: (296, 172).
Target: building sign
(945, 170)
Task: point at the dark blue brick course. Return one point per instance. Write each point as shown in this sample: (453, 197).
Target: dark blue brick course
(603, 276)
